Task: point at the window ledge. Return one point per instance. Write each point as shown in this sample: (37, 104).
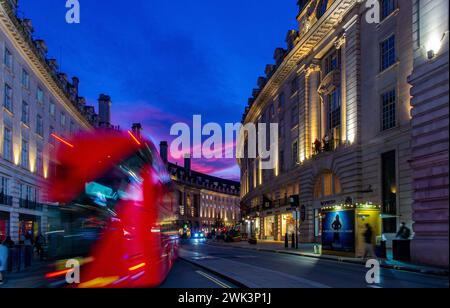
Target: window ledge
(389, 17)
(390, 68)
(8, 111)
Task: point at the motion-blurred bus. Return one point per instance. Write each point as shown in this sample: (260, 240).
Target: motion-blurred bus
(114, 212)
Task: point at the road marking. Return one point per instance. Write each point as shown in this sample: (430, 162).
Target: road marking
(374, 287)
(216, 281)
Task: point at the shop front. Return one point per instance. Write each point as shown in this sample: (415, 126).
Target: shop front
(28, 224)
(287, 225)
(4, 225)
(269, 227)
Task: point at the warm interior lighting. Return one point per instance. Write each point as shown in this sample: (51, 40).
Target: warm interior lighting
(62, 140)
(134, 138)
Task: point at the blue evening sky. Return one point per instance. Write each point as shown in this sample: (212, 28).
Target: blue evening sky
(164, 61)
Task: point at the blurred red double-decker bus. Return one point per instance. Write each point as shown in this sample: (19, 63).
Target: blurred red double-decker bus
(114, 212)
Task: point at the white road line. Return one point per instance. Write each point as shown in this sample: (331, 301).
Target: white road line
(216, 281)
(374, 287)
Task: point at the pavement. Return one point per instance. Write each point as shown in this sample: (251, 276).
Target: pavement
(32, 277)
(307, 250)
(262, 268)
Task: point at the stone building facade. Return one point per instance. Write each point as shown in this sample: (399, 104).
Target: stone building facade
(430, 133)
(37, 100)
(340, 94)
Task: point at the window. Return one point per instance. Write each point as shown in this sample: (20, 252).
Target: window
(51, 139)
(39, 162)
(281, 100)
(7, 60)
(328, 184)
(39, 126)
(63, 119)
(321, 8)
(387, 8)
(7, 144)
(388, 118)
(25, 79)
(334, 109)
(8, 99)
(25, 154)
(389, 185)
(387, 53)
(25, 113)
(294, 85)
(52, 108)
(331, 62)
(40, 95)
(295, 156)
(294, 116)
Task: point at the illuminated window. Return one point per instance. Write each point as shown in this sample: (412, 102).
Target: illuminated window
(52, 108)
(295, 156)
(327, 185)
(39, 162)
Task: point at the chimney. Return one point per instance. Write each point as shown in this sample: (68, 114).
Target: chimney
(187, 162)
(163, 147)
(137, 130)
(75, 83)
(104, 109)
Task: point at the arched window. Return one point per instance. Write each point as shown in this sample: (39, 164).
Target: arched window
(321, 8)
(327, 184)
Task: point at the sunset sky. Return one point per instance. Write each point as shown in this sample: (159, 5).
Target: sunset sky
(164, 61)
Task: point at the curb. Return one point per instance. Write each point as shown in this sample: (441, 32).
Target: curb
(440, 273)
(215, 273)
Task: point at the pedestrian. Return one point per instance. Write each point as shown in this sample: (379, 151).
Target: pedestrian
(326, 141)
(404, 233)
(3, 261)
(368, 242)
(317, 146)
(28, 243)
(9, 243)
(39, 244)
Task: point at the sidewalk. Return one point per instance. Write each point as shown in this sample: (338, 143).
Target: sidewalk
(307, 250)
(32, 277)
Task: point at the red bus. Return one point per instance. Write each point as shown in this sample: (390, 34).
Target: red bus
(114, 212)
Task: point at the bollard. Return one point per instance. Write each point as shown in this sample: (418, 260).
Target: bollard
(286, 241)
(293, 240)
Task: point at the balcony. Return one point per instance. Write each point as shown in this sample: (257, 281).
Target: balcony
(6, 200)
(30, 205)
(325, 146)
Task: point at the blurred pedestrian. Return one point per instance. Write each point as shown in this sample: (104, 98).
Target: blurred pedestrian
(28, 243)
(368, 242)
(317, 146)
(39, 244)
(3, 261)
(9, 243)
(404, 233)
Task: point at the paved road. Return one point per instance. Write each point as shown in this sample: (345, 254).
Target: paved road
(266, 269)
(187, 276)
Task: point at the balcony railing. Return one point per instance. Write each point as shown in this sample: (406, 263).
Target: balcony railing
(325, 146)
(5, 199)
(30, 205)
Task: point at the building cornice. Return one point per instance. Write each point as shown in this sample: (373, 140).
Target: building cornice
(22, 46)
(305, 46)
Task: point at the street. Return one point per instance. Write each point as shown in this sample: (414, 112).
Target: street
(267, 269)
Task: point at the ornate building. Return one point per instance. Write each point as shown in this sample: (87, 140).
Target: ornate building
(204, 202)
(37, 101)
(340, 94)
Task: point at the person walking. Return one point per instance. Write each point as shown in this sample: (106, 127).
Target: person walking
(28, 243)
(3, 261)
(39, 244)
(9, 243)
(368, 242)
